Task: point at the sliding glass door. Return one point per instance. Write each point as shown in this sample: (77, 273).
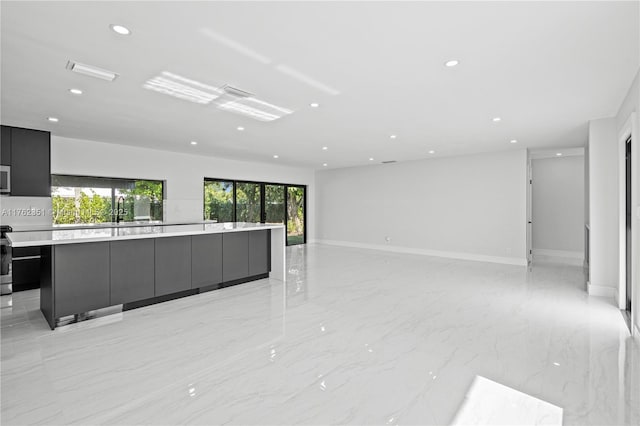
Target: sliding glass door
(233, 201)
(274, 204)
(296, 215)
(248, 202)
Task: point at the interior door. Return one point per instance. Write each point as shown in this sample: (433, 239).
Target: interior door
(628, 208)
(530, 213)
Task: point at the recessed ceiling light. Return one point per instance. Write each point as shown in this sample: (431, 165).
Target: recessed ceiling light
(122, 30)
(324, 165)
(314, 105)
(276, 156)
(370, 158)
(558, 154)
(393, 136)
(496, 119)
(432, 152)
(324, 148)
(76, 91)
(240, 128)
(513, 141)
(451, 63)
(194, 143)
(53, 119)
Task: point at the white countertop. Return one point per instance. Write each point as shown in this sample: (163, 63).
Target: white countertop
(67, 226)
(72, 236)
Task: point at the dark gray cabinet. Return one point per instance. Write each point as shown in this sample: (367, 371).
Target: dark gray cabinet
(132, 270)
(5, 144)
(258, 252)
(172, 265)
(30, 163)
(77, 278)
(81, 280)
(25, 268)
(235, 255)
(206, 260)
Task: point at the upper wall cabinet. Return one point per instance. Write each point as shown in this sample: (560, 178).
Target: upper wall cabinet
(5, 141)
(28, 152)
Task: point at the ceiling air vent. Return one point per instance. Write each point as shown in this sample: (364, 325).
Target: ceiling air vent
(389, 162)
(234, 91)
(91, 71)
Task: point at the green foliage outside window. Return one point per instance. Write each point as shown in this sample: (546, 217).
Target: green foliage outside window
(83, 208)
(142, 200)
(218, 201)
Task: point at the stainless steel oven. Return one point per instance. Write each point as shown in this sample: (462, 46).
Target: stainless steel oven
(5, 180)
(6, 277)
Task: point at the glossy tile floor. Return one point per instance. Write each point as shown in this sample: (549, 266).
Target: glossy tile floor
(356, 336)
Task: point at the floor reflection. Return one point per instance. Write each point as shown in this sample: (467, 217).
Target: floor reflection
(353, 337)
(490, 403)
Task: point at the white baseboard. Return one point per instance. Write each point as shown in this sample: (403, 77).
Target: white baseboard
(437, 253)
(601, 290)
(560, 253)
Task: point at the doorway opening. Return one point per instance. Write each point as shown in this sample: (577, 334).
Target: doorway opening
(628, 234)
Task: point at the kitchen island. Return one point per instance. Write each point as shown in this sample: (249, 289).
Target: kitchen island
(84, 270)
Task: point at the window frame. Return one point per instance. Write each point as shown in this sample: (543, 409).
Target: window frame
(263, 184)
(113, 189)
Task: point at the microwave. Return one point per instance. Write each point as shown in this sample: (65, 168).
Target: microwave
(5, 180)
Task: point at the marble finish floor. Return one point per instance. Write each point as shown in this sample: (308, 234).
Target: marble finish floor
(355, 337)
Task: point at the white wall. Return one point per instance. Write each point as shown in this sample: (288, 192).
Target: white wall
(468, 207)
(603, 205)
(183, 173)
(558, 206)
(26, 212)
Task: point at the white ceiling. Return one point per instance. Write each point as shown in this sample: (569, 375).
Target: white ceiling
(375, 68)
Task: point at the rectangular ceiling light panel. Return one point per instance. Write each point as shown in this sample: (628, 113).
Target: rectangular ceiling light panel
(255, 108)
(183, 88)
(91, 71)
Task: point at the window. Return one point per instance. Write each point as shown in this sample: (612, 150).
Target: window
(248, 202)
(86, 199)
(218, 201)
(233, 201)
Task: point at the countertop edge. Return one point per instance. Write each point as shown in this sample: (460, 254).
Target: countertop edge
(48, 242)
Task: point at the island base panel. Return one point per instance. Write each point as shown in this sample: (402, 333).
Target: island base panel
(46, 285)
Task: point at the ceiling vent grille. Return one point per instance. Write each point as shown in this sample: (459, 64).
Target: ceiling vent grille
(234, 91)
(91, 71)
(389, 162)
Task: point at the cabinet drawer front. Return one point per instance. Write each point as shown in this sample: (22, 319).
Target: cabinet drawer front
(132, 271)
(206, 260)
(81, 278)
(18, 252)
(235, 256)
(172, 265)
(259, 252)
(26, 271)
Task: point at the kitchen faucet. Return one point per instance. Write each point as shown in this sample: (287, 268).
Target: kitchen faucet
(118, 209)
